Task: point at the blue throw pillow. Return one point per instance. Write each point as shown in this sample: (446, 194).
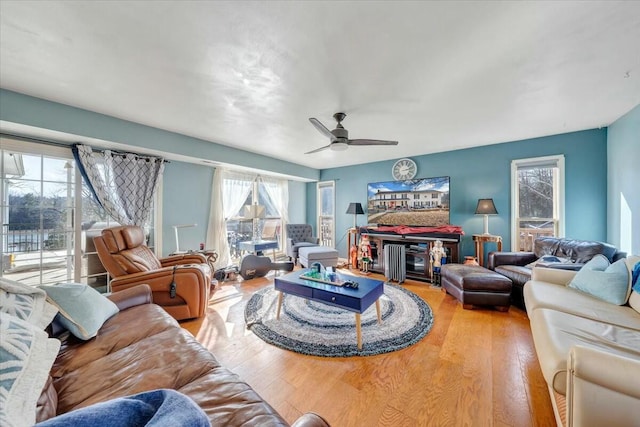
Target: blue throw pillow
(82, 309)
(635, 277)
(599, 278)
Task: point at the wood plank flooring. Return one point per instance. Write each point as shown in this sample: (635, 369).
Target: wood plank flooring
(475, 368)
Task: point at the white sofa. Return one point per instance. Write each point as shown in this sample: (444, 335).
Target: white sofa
(588, 349)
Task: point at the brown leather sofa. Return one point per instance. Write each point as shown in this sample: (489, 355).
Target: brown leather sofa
(142, 348)
(129, 262)
(514, 264)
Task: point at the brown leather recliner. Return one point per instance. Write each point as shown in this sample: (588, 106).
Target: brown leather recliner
(129, 262)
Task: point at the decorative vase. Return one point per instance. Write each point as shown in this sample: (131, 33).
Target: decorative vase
(469, 260)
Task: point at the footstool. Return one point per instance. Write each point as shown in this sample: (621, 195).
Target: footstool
(473, 285)
(328, 257)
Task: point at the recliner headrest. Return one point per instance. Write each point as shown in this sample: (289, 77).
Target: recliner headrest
(125, 237)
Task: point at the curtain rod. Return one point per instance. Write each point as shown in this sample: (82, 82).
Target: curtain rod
(69, 145)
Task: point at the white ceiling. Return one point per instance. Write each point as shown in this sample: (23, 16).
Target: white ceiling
(435, 76)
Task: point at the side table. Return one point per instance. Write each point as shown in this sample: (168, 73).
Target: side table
(259, 246)
(480, 240)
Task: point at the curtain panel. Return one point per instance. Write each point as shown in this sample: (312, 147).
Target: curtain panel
(230, 190)
(123, 184)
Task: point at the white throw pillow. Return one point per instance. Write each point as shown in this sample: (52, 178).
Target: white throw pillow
(26, 357)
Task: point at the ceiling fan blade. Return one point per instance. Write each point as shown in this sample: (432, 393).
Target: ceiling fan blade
(371, 142)
(318, 149)
(322, 128)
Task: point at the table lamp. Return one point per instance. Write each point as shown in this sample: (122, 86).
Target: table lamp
(255, 212)
(486, 207)
(355, 209)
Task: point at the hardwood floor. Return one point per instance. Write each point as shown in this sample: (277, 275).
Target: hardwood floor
(475, 368)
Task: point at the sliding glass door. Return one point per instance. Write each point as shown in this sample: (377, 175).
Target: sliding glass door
(38, 209)
(48, 221)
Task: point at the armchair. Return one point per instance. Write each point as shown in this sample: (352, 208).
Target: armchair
(129, 262)
(298, 236)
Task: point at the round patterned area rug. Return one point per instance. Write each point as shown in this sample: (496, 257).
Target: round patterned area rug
(319, 329)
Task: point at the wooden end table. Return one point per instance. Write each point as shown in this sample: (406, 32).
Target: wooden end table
(480, 240)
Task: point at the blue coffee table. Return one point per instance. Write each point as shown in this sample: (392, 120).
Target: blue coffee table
(356, 300)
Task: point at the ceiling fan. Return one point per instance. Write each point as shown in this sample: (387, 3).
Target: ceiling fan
(340, 136)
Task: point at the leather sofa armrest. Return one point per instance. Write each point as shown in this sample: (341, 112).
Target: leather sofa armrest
(137, 295)
(552, 275)
(310, 419)
(181, 259)
(509, 258)
(601, 388)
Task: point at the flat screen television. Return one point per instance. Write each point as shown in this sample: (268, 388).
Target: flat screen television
(414, 202)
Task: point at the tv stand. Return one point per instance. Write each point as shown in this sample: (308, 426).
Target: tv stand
(417, 249)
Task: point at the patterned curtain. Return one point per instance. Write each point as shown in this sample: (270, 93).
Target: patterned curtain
(124, 184)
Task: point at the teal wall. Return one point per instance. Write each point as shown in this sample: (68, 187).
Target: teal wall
(623, 157)
(186, 198)
(485, 172)
(297, 202)
(187, 190)
(475, 173)
(186, 187)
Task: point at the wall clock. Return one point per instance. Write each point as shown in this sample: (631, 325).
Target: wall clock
(404, 169)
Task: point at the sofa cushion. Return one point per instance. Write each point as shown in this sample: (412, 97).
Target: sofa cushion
(26, 355)
(549, 259)
(117, 333)
(128, 362)
(580, 251)
(519, 275)
(541, 295)
(555, 332)
(82, 309)
(26, 302)
(608, 282)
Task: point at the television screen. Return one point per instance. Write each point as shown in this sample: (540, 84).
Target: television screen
(414, 202)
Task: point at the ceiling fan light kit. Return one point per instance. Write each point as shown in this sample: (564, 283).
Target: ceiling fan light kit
(339, 137)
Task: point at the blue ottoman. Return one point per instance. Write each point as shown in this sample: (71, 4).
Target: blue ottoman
(322, 254)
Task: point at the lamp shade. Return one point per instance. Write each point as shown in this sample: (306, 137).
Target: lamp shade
(254, 211)
(355, 208)
(486, 207)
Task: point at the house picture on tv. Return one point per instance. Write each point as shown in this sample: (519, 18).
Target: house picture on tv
(414, 202)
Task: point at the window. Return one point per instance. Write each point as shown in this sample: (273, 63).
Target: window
(266, 193)
(38, 205)
(48, 222)
(537, 186)
(326, 213)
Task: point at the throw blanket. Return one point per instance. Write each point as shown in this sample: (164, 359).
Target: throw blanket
(26, 302)
(157, 408)
(403, 229)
